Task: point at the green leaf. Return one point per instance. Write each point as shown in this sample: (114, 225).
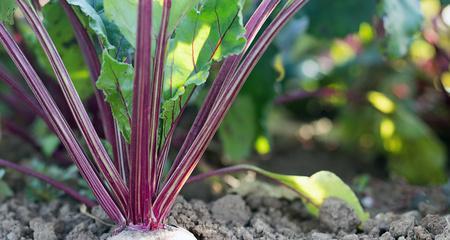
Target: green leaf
(5, 191)
(316, 189)
(211, 32)
(334, 19)
(57, 25)
(116, 81)
(7, 8)
(124, 14)
(414, 152)
(238, 129)
(48, 141)
(250, 110)
(402, 20)
(92, 14)
(201, 37)
(95, 21)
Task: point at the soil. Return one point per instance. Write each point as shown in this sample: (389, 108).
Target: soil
(398, 211)
(236, 217)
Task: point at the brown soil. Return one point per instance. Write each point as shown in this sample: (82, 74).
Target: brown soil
(235, 217)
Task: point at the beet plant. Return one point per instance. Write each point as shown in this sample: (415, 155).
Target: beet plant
(143, 91)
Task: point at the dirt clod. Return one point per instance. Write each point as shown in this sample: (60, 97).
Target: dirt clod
(321, 236)
(350, 237)
(231, 208)
(43, 230)
(402, 227)
(336, 216)
(434, 224)
(387, 236)
(422, 234)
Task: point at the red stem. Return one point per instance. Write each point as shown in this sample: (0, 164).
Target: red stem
(228, 93)
(157, 88)
(140, 186)
(61, 127)
(90, 57)
(82, 119)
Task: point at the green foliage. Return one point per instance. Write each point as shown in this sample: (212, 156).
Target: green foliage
(7, 8)
(124, 14)
(116, 81)
(402, 20)
(48, 141)
(94, 19)
(210, 32)
(38, 190)
(92, 13)
(57, 24)
(5, 190)
(414, 151)
(330, 19)
(250, 110)
(238, 131)
(201, 37)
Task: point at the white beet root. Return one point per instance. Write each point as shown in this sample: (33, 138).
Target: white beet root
(167, 233)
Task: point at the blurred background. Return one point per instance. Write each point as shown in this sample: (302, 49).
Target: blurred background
(360, 88)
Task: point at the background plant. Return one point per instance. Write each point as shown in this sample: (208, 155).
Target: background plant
(377, 79)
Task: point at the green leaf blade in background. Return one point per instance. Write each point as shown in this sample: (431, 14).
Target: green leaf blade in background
(238, 130)
(402, 20)
(5, 190)
(57, 23)
(58, 27)
(95, 22)
(414, 152)
(124, 14)
(116, 81)
(7, 8)
(345, 17)
(92, 14)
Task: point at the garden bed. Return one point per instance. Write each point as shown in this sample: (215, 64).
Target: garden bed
(406, 211)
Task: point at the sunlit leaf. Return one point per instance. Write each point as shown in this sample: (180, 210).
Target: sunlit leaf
(124, 14)
(366, 32)
(445, 78)
(314, 190)
(262, 145)
(210, 32)
(381, 102)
